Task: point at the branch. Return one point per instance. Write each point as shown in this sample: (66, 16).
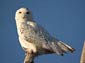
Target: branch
(83, 54)
(29, 58)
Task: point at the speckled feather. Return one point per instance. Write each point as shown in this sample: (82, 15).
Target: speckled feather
(34, 37)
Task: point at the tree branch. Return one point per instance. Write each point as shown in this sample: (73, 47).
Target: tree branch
(29, 58)
(83, 54)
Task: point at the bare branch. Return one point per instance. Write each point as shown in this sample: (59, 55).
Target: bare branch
(83, 54)
(29, 58)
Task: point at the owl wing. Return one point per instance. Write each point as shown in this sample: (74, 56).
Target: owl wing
(38, 36)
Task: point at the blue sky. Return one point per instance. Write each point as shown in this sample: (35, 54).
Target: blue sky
(64, 19)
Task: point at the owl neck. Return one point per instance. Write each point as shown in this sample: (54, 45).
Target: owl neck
(24, 21)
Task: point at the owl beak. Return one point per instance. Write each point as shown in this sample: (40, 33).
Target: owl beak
(24, 17)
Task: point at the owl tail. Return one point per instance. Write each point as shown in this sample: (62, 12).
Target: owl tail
(60, 48)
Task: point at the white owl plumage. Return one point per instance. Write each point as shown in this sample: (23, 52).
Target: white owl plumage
(34, 38)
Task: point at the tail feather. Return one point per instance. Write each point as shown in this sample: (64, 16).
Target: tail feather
(65, 47)
(57, 49)
(60, 48)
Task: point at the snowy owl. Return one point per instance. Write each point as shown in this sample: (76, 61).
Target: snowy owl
(34, 39)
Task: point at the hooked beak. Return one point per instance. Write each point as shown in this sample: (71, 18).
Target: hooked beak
(24, 17)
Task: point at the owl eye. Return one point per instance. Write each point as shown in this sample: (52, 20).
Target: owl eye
(27, 12)
(20, 12)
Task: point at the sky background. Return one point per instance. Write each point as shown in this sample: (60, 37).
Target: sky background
(64, 19)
